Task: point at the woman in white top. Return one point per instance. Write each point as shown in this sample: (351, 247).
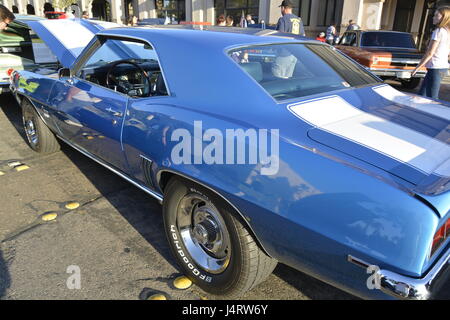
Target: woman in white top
(435, 58)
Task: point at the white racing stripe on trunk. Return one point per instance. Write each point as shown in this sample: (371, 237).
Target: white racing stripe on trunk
(72, 35)
(416, 102)
(338, 117)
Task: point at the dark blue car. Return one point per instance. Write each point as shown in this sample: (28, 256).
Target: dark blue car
(261, 147)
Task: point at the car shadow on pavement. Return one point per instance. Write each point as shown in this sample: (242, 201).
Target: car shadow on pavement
(5, 280)
(313, 288)
(12, 111)
(139, 209)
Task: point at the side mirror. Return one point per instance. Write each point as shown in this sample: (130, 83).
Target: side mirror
(64, 73)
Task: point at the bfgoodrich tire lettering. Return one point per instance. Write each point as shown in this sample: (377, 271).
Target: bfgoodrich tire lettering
(39, 136)
(235, 263)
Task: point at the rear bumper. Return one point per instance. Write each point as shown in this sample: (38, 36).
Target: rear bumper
(4, 86)
(397, 73)
(416, 289)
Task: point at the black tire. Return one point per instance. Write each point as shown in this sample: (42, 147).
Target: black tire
(247, 266)
(411, 83)
(39, 136)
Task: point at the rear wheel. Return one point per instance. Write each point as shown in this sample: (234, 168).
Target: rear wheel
(39, 136)
(210, 242)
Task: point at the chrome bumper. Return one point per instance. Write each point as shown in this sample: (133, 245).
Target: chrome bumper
(4, 87)
(397, 73)
(416, 289)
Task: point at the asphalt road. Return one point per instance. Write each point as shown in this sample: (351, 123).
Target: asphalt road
(115, 237)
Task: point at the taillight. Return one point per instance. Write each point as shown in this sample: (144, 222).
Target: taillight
(9, 72)
(440, 236)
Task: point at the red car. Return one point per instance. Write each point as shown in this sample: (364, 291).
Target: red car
(388, 54)
(55, 15)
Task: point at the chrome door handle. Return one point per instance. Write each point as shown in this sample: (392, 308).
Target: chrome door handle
(114, 112)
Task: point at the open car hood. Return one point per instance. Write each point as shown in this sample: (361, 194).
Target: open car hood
(405, 135)
(66, 38)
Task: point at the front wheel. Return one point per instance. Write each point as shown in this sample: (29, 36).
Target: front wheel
(39, 136)
(411, 83)
(210, 243)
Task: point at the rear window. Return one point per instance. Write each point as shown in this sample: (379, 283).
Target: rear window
(289, 71)
(387, 39)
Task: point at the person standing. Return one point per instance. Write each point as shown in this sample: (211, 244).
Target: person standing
(6, 17)
(321, 37)
(352, 25)
(289, 22)
(249, 19)
(435, 58)
(221, 21)
(331, 34)
(229, 21)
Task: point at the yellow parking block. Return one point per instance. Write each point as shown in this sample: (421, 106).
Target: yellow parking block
(49, 216)
(22, 167)
(157, 297)
(182, 283)
(72, 205)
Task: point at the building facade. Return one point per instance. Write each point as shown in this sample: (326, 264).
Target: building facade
(402, 15)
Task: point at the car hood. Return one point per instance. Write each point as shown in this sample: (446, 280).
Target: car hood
(405, 135)
(66, 38)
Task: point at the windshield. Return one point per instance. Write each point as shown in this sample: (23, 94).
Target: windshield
(289, 71)
(387, 39)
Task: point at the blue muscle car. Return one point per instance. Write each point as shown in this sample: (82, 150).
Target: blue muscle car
(261, 148)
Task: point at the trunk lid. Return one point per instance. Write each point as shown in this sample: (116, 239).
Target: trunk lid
(405, 135)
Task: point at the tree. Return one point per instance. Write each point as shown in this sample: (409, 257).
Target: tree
(62, 4)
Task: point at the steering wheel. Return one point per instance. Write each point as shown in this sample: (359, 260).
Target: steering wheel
(135, 90)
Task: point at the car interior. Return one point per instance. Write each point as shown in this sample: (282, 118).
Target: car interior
(133, 77)
(127, 67)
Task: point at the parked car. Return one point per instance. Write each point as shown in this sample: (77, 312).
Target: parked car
(261, 149)
(15, 48)
(55, 15)
(388, 54)
(22, 49)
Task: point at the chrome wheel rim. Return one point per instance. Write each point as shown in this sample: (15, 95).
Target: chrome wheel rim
(204, 233)
(30, 130)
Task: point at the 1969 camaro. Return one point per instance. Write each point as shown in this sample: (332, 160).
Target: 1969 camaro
(262, 148)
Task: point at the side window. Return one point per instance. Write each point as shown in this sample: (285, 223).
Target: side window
(129, 67)
(349, 39)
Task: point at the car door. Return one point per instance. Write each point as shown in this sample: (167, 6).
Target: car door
(88, 113)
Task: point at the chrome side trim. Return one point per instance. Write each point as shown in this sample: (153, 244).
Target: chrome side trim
(402, 287)
(381, 70)
(156, 195)
(245, 219)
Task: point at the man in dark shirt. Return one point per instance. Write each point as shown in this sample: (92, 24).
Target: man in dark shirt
(289, 22)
